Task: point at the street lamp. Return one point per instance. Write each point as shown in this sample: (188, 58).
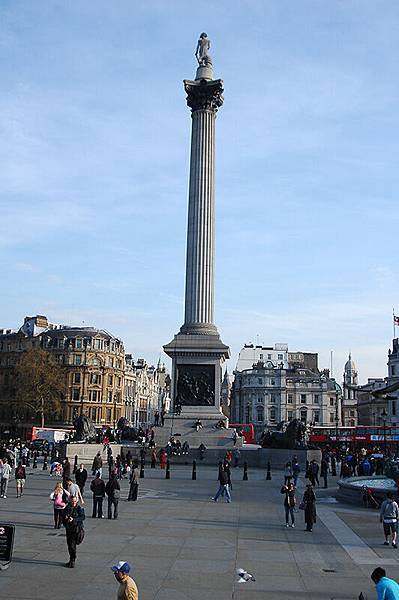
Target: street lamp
(384, 415)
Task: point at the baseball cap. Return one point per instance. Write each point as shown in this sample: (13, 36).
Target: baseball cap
(121, 567)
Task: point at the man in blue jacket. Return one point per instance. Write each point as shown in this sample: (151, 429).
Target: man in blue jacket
(387, 589)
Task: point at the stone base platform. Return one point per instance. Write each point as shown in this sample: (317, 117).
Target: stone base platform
(87, 452)
(182, 426)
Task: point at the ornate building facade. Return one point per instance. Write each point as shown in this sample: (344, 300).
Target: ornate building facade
(94, 364)
(270, 392)
(349, 400)
(102, 383)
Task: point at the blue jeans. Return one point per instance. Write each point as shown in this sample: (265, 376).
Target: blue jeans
(289, 511)
(223, 489)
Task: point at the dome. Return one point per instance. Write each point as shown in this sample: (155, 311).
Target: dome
(350, 365)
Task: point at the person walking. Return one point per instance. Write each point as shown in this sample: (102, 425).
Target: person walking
(74, 490)
(389, 515)
(296, 469)
(236, 457)
(134, 483)
(387, 589)
(223, 485)
(73, 518)
(59, 497)
(287, 472)
(309, 504)
(97, 465)
(20, 478)
(5, 470)
(324, 472)
(289, 502)
(97, 486)
(127, 586)
(81, 478)
(113, 490)
(66, 472)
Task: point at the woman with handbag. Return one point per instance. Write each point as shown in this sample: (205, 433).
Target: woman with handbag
(60, 498)
(309, 505)
(289, 502)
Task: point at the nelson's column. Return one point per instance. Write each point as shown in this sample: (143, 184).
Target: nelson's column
(197, 351)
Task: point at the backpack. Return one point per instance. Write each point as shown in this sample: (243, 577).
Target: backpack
(59, 501)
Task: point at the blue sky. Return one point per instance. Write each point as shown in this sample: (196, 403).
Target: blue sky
(94, 149)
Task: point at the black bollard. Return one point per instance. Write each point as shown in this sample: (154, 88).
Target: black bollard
(45, 463)
(75, 464)
(268, 473)
(245, 476)
(34, 460)
(142, 469)
(28, 459)
(167, 474)
(194, 475)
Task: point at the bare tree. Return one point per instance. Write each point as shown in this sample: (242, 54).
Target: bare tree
(40, 383)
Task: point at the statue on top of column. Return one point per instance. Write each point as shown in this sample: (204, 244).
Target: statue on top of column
(201, 53)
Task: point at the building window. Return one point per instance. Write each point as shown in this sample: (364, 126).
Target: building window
(280, 357)
(108, 415)
(351, 413)
(272, 398)
(75, 394)
(272, 382)
(119, 381)
(76, 377)
(269, 357)
(95, 378)
(304, 415)
(393, 370)
(332, 401)
(94, 395)
(110, 361)
(260, 356)
(109, 396)
(290, 399)
(273, 414)
(93, 414)
(78, 343)
(332, 418)
(316, 398)
(77, 359)
(110, 379)
(260, 380)
(290, 415)
(95, 362)
(316, 416)
(303, 398)
(259, 415)
(60, 343)
(260, 400)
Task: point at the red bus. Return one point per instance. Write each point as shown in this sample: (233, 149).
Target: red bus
(247, 430)
(367, 435)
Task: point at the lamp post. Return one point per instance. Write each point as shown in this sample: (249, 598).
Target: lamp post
(384, 420)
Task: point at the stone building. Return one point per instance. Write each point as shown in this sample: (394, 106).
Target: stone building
(378, 400)
(349, 400)
(93, 359)
(267, 394)
(147, 390)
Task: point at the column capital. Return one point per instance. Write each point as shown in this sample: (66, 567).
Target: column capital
(204, 95)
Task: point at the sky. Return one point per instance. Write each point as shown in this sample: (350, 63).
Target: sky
(94, 159)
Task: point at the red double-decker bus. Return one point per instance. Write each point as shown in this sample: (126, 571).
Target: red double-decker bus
(366, 435)
(247, 430)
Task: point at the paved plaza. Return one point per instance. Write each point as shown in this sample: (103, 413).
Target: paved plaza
(185, 546)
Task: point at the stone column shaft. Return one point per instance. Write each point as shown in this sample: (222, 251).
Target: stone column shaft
(199, 297)
(204, 98)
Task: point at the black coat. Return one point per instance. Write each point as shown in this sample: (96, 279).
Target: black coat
(112, 485)
(309, 499)
(81, 477)
(97, 486)
(78, 516)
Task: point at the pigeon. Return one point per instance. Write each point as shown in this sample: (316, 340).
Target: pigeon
(244, 576)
